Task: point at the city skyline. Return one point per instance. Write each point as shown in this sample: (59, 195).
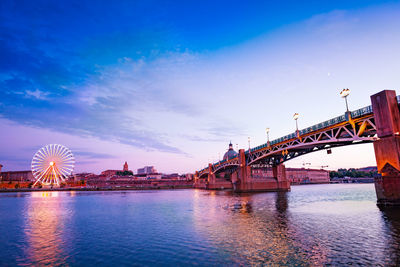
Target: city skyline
(172, 85)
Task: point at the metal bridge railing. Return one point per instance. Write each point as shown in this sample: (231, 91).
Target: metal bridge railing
(355, 114)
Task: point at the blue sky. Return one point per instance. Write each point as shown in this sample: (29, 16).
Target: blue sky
(170, 83)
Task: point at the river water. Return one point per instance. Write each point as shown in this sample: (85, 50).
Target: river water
(312, 225)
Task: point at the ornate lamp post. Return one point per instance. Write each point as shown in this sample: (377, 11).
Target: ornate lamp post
(345, 93)
(267, 131)
(296, 117)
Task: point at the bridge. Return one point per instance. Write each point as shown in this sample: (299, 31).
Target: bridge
(378, 123)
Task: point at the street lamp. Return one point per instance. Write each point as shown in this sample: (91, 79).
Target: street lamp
(344, 93)
(248, 139)
(267, 131)
(295, 117)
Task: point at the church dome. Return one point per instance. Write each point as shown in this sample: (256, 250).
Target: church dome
(230, 153)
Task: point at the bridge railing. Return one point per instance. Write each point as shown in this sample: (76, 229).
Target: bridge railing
(355, 114)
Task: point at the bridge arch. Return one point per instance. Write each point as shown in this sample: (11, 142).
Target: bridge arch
(355, 131)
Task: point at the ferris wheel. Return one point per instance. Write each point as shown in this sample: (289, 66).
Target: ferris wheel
(52, 164)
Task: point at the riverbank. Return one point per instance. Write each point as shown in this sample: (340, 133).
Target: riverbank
(94, 189)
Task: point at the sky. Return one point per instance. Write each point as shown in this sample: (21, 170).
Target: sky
(171, 83)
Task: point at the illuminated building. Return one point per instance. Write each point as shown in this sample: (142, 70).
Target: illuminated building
(230, 153)
(305, 176)
(296, 175)
(19, 176)
(110, 173)
(146, 170)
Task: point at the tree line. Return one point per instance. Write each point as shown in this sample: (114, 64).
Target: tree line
(354, 173)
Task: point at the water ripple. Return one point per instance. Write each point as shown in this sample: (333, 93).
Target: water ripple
(309, 226)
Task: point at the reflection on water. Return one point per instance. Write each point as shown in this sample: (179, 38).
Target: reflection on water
(45, 222)
(391, 216)
(254, 230)
(309, 226)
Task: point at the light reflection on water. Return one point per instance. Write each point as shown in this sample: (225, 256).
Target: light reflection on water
(46, 217)
(312, 226)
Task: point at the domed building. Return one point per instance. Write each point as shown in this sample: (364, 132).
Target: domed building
(230, 153)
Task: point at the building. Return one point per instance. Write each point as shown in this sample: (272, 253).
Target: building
(146, 170)
(125, 168)
(20, 176)
(149, 176)
(307, 176)
(296, 175)
(189, 176)
(110, 173)
(230, 153)
(172, 176)
(83, 176)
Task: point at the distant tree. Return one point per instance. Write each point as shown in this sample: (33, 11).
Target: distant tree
(341, 173)
(124, 173)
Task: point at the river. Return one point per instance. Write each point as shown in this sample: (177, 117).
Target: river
(312, 225)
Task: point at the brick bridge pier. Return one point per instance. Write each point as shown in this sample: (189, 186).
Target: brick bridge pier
(387, 148)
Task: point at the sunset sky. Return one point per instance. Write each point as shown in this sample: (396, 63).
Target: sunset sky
(171, 83)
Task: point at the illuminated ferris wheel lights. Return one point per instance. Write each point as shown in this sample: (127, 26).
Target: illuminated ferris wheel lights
(52, 164)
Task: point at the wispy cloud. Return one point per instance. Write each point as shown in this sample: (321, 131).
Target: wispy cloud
(93, 155)
(37, 94)
(137, 81)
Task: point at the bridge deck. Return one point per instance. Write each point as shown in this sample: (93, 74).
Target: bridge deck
(364, 112)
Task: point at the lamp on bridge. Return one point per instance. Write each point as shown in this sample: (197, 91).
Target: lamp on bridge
(267, 131)
(296, 117)
(345, 93)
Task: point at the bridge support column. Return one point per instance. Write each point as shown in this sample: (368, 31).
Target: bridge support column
(387, 148)
(211, 179)
(243, 174)
(196, 180)
(279, 173)
(247, 183)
